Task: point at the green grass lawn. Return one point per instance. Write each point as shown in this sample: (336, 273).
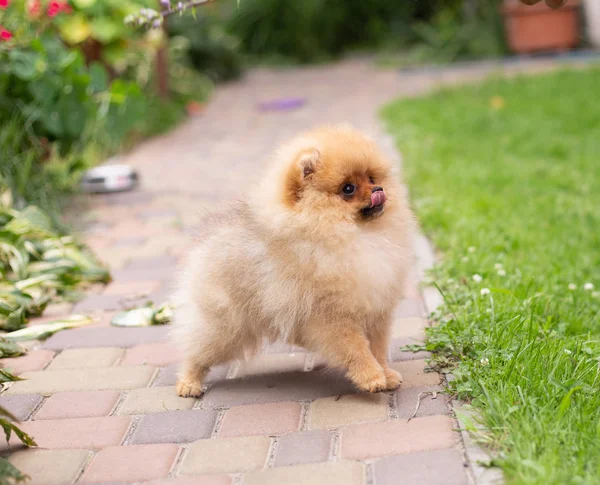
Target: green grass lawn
(505, 179)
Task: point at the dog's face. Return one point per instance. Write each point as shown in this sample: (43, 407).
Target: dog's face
(345, 176)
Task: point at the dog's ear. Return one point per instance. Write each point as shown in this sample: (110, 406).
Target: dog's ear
(299, 175)
(308, 162)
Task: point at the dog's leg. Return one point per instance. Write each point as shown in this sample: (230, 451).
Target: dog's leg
(379, 337)
(345, 346)
(214, 349)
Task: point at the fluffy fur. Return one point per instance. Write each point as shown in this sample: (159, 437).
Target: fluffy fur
(303, 262)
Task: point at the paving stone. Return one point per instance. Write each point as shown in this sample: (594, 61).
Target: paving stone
(163, 262)
(195, 480)
(128, 242)
(159, 213)
(168, 375)
(158, 354)
(99, 302)
(90, 433)
(395, 437)
(128, 199)
(50, 467)
(226, 455)
(21, 406)
(175, 426)
(78, 405)
(333, 412)
(128, 273)
(408, 308)
(261, 419)
(433, 299)
(115, 258)
(106, 337)
(154, 400)
(410, 327)
(397, 352)
(32, 360)
(422, 468)
(86, 358)
(58, 310)
(337, 473)
(127, 289)
(114, 378)
(272, 364)
(302, 448)
(406, 402)
(131, 463)
(293, 386)
(414, 375)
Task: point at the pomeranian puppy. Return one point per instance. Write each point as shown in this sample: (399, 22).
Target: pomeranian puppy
(316, 257)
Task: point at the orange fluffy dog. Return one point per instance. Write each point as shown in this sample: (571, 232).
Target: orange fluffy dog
(316, 257)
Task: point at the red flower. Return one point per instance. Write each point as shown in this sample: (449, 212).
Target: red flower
(3, 4)
(4, 34)
(54, 8)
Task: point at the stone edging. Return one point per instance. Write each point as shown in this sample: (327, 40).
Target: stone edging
(474, 454)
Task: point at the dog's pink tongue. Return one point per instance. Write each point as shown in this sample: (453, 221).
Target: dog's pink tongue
(377, 198)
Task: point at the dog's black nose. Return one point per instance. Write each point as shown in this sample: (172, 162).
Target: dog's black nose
(377, 188)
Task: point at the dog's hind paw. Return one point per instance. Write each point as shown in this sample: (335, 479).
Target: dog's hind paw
(189, 388)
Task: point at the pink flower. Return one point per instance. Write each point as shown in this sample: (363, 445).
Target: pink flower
(54, 8)
(35, 7)
(4, 34)
(4, 4)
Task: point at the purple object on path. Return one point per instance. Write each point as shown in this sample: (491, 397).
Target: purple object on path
(284, 104)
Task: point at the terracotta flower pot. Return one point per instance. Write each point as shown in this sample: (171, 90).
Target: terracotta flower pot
(531, 28)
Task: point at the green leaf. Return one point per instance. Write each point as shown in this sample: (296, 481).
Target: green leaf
(72, 114)
(98, 78)
(83, 3)
(6, 376)
(52, 121)
(42, 331)
(10, 349)
(9, 471)
(14, 320)
(23, 64)
(31, 220)
(566, 401)
(105, 30)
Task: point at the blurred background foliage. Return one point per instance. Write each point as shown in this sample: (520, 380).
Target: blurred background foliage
(78, 85)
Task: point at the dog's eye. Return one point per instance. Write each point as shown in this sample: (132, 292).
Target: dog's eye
(348, 189)
(372, 180)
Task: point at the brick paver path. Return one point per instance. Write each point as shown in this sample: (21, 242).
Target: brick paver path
(100, 401)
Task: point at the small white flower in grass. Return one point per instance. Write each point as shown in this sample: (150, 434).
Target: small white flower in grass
(572, 286)
(498, 266)
(464, 259)
(484, 291)
(588, 287)
(501, 272)
(477, 278)
(567, 351)
(485, 361)
(472, 249)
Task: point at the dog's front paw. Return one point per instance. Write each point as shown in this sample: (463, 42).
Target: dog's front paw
(393, 379)
(189, 388)
(373, 382)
